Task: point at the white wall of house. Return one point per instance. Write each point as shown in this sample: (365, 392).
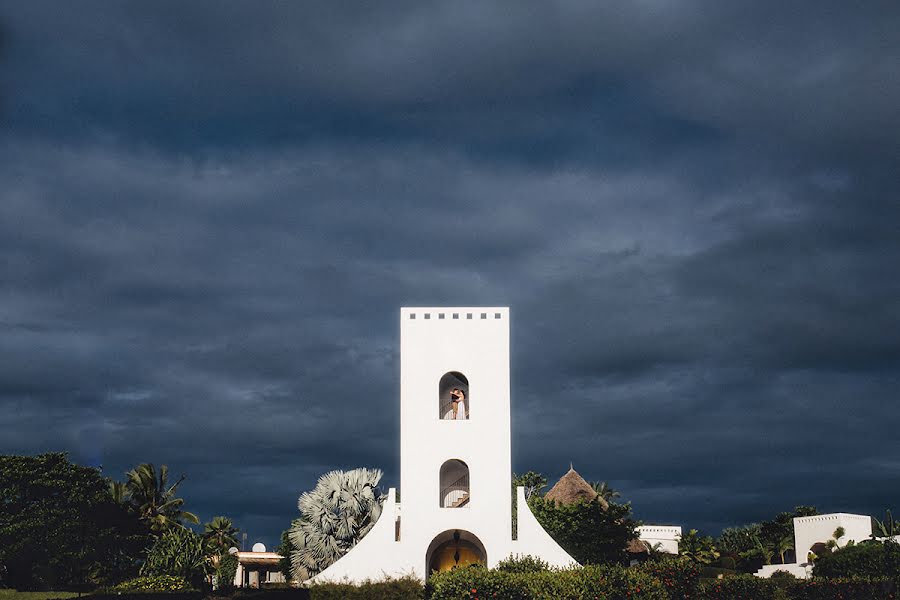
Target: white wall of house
(473, 341)
(809, 531)
(818, 529)
(666, 536)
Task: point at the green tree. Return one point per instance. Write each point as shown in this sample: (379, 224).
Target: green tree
(590, 533)
(179, 552)
(697, 548)
(532, 481)
(60, 527)
(773, 532)
(783, 545)
(604, 490)
(154, 499)
(220, 534)
(285, 548)
(334, 516)
(735, 540)
(759, 551)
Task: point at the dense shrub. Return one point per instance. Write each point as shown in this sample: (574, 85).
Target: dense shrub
(870, 559)
(190, 595)
(745, 587)
(522, 564)
(225, 572)
(152, 583)
(287, 593)
(180, 552)
(601, 582)
(404, 588)
(855, 588)
(678, 576)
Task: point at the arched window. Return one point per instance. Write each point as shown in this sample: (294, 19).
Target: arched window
(453, 396)
(454, 484)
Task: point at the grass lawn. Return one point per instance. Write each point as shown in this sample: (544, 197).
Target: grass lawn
(14, 595)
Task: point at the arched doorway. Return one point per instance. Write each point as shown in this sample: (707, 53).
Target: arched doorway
(454, 549)
(453, 385)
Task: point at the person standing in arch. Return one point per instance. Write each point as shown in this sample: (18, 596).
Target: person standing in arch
(458, 402)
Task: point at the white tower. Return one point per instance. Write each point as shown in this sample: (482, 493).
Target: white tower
(455, 455)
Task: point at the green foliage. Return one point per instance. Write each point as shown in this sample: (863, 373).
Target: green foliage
(225, 571)
(855, 588)
(735, 540)
(679, 576)
(179, 552)
(870, 559)
(590, 534)
(152, 583)
(604, 490)
(522, 564)
(532, 481)
(697, 548)
(285, 548)
(887, 528)
(778, 534)
(154, 500)
(405, 588)
(334, 516)
(594, 581)
(60, 527)
(220, 534)
(743, 587)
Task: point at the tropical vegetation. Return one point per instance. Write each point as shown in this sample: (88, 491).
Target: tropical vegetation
(61, 528)
(334, 516)
(153, 498)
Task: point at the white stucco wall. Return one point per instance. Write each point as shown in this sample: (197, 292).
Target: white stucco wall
(666, 536)
(820, 528)
(809, 531)
(473, 341)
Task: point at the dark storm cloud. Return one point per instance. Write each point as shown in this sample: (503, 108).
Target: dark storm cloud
(212, 211)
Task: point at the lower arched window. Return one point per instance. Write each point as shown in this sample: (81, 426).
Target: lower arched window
(454, 491)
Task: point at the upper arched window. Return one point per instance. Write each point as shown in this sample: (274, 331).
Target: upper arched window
(453, 396)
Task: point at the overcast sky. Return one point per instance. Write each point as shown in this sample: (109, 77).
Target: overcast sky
(211, 213)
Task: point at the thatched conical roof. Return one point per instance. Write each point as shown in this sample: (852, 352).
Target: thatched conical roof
(571, 488)
(637, 546)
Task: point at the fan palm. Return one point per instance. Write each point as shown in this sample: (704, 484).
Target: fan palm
(334, 516)
(154, 499)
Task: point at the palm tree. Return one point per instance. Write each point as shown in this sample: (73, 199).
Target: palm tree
(220, 534)
(118, 492)
(154, 499)
(784, 544)
(697, 548)
(334, 516)
(604, 490)
(763, 551)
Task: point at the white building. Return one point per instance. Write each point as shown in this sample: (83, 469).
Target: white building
(662, 537)
(812, 534)
(257, 568)
(455, 469)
